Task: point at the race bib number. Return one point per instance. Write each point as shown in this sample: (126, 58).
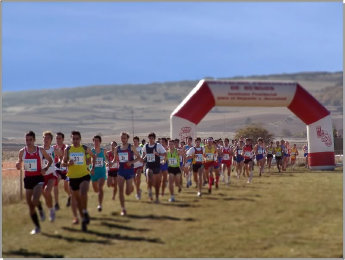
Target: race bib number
(239, 152)
(198, 157)
(114, 165)
(172, 161)
(278, 154)
(210, 157)
(226, 157)
(99, 162)
(215, 157)
(259, 151)
(248, 154)
(150, 157)
(123, 157)
(78, 158)
(162, 158)
(30, 165)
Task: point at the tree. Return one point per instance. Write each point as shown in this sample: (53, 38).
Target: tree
(254, 132)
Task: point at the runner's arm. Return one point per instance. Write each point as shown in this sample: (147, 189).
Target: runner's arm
(20, 159)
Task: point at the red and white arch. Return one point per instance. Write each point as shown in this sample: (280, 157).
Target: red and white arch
(210, 93)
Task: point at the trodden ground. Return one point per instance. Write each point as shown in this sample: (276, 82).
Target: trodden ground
(294, 214)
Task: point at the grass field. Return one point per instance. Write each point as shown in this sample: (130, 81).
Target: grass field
(294, 214)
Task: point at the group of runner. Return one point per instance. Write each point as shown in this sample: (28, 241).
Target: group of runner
(164, 163)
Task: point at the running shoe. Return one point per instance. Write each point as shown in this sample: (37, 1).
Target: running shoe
(75, 221)
(35, 231)
(209, 191)
(216, 185)
(123, 212)
(179, 189)
(86, 218)
(52, 215)
(68, 201)
(199, 194)
(84, 225)
(57, 206)
(42, 215)
(99, 208)
(150, 195)
(172, 199)
(157, 201)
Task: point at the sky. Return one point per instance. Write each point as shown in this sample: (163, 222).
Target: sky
(49, 45)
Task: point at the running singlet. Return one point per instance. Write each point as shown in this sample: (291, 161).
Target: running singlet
(152, 160)
(210, 154)
(56, 158)
(248, 152)
(269, 150)
(293, 153)
(278, 151)
(124, 157)
(186, 148)
(112, 166)
(51, 169)
(79, 168)
(198, 155)
(32, 162)
(100, 161)
(226, 154)
(173, 159)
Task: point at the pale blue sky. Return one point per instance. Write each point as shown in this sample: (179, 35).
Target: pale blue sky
(65, 44)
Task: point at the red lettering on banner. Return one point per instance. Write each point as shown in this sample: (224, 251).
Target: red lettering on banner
(324, 136)
(185, 132)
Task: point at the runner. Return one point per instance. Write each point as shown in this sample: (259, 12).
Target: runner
(50, 177)
(164, 165)
(259, 150)
(294, 154)
(31, 156)
(218, 160)
(78, 174)
(239, 159)
(234, 159)
(210, 153)
(173, 159)
(98, 179)
(61, 171)
(113, 168)
(138, 168)
(305, 151)
(227, 159)
(278, 155)
(248, 153)
(284, 154)
(187, 162)
(197, 154)
(125, 154)
(151, 155)
(269, 156)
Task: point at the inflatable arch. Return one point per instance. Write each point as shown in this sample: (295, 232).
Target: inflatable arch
(210, 93)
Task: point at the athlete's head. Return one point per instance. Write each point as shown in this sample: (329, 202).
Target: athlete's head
(171, 144)
(164, 141)
(277, 143)
(143, 141)
(152, 137)
(189, 140)
(226, 141)
(76, 137)
(59, 137)
(97, 140)
(124, 137)
(136, 140)
(177, 142)
(260, 141)
(113, 144)
(183, 143)
(47, 137)
(210, 141)
(30, 138)
(282, 141)
(248, 141)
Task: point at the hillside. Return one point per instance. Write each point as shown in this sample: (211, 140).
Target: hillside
(108, 109)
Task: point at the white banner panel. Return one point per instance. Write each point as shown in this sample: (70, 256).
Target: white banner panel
(251, 93)
(181, 128)
(320, 136)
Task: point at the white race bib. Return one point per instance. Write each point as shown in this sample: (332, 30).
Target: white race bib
(78, 158)
(278, 154)
(30, 165)
(239, 152)
(226, 157)
(172, 161)
(150, 157)
(123, 157)
(248, 154)
(209, 157)
(162, 159)
(198, 157)
(260, 151)
(99, 162)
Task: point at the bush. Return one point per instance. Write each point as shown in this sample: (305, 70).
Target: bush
(254, 132)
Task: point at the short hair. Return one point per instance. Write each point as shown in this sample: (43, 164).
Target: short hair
(76, 133)
(136, 138)
(31, 133)
(61, 134)
(48, 133)
(143, 141)
(198, 139)
(98, 137)
(226, 139)
(113, 142)
(152, 135)
(124, 133)
(190, 138)
(164, 139)
(177, 140)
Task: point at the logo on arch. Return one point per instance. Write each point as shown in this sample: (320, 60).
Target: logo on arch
(185, 132)
(324, 136)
